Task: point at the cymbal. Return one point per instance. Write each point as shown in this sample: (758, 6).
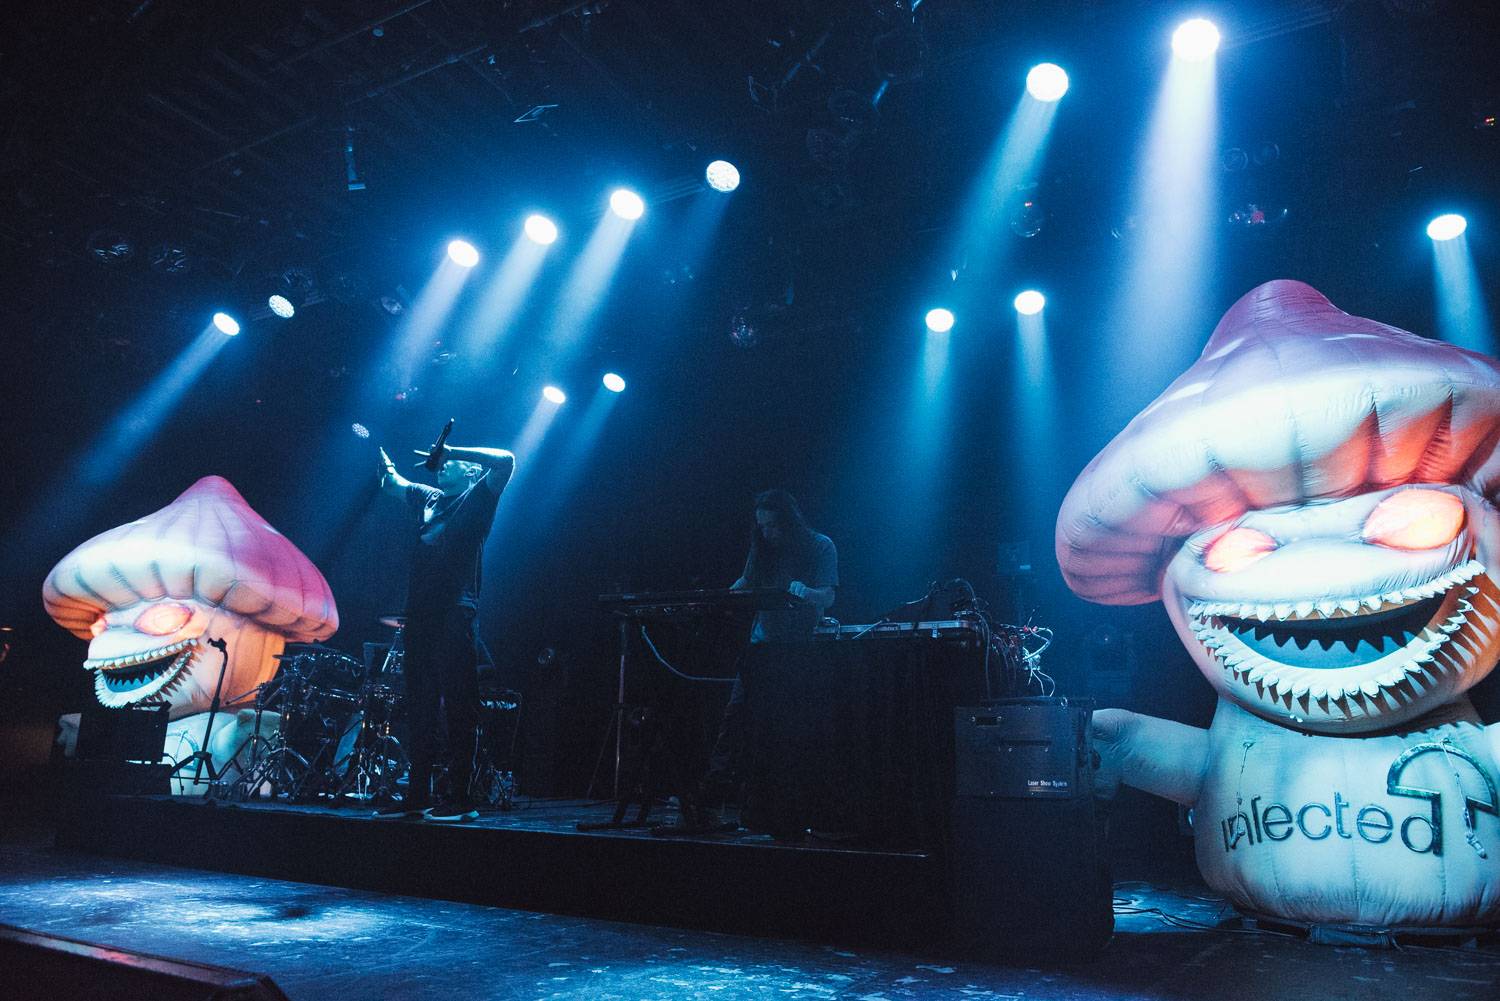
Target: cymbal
(393, 621)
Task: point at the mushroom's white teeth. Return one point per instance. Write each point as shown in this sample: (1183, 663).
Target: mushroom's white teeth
(1376, 684)
(115, 690)
(1332, 608)
(136, 659)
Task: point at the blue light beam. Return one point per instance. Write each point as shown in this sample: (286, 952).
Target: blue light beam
(1462, 316)
(1160, 308)
(139, 422)
(588, 281)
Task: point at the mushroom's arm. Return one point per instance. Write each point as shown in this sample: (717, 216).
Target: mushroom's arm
(1158, 756)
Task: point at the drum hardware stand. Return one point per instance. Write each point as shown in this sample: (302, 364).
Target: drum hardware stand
(373, 768)
(202, 757)
(281, 767)
(239, 790)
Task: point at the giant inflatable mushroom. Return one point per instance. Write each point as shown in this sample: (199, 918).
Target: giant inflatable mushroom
(148, 596)
(1314, 502)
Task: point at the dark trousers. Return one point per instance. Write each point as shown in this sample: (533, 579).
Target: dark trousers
(726, 765)
(441, 671)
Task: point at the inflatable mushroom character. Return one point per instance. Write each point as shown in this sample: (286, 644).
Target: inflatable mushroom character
(1314, 501)
(149, 595)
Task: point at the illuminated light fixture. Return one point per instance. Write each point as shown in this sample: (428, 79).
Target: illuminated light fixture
(614, 383)
(540, 229)
(1195, 40)
(722, 176)
(1447, 227)
(1047, 82)
(1030, 302)
(939, 320)
(282, 306)
(554, 395)
(462, 253)
(226, 324)
(626, 204)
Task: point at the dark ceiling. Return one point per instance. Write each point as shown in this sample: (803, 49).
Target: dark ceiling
(215, 140)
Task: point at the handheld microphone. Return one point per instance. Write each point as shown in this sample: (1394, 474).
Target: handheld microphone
(435, 457)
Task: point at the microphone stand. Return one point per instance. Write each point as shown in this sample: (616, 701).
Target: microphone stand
(202, 755)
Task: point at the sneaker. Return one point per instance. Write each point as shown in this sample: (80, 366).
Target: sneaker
(452, 813)
(398, 811)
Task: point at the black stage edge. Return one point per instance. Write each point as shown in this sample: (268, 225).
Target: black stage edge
(532, 858)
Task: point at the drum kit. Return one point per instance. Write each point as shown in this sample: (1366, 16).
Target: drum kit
(329, 731)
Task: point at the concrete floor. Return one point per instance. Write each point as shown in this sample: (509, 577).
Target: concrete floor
(323, 943)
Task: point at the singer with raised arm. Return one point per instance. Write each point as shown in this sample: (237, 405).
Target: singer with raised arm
(452, 521)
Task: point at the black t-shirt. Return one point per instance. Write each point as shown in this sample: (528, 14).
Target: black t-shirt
(816, 564)
(446, 565)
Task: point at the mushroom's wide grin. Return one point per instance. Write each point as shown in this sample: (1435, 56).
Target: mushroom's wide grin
(121, 681)
(1375, 650)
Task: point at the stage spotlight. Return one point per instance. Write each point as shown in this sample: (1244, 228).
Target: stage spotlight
(939, 320)
(1047, 82)
(626, 204)
(462, 253)
(554, 395)
(1195, 40)
(1447, 227)
(614, 383)
(723, 176)
(540, 229)
(1030, 302)
(282, 306)
(226, 324)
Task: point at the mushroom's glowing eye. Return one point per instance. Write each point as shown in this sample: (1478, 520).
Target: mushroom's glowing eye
(99, 626)
(1237, 548)
(163, 620)
(1415, 519)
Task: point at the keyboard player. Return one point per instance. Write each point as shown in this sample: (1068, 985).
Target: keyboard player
(785, 553)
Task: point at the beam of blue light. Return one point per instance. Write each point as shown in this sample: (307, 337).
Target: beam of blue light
(1013, 161)
(588, 281)
(139, 422)
(427, 316)
(528, 442)
(935, 349)
(1463, 318)
(567, 472)
(1164, 296)
(1035, 399)
(504, 297)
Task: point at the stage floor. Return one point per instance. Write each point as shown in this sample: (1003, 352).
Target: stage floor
(534, 857)
(323, 942)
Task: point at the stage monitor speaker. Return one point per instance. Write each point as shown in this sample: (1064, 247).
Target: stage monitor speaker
(1028, 873)
(134, 733)
(63, 969)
